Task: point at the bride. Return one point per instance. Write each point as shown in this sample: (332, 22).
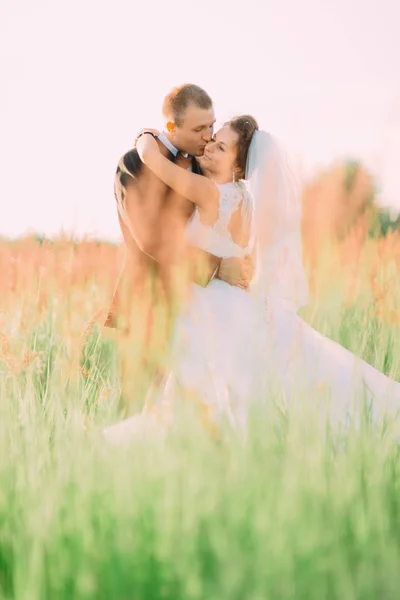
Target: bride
(231, 346)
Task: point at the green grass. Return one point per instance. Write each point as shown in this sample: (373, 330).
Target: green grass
(295, 513)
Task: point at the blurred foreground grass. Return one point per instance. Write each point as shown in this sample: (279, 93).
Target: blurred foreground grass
(294, 513)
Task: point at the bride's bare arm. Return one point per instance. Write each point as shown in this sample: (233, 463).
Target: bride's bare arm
(201, 191)
(196, 188)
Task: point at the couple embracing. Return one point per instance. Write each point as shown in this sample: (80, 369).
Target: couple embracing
(211, 224)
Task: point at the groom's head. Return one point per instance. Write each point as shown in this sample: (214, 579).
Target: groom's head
(189, 118)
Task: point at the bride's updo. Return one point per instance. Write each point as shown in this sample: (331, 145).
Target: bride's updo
(244, 126)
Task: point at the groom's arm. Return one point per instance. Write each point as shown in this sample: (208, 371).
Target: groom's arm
(137, 192)
(134, 224)
(203, 266)
(236, 271)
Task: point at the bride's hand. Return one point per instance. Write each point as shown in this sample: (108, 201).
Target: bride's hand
(147, 130)
(145, 146)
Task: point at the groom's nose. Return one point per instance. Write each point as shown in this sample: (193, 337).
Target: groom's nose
(207, 135)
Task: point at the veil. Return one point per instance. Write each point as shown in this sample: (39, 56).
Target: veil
(280, 278)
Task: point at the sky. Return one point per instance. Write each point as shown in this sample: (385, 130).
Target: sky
(80, 78)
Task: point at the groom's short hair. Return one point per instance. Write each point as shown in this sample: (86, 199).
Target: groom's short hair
(179, 98)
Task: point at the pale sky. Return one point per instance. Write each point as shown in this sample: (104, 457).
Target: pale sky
(80, 78)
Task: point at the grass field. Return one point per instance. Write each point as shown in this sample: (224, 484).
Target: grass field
(294, 514)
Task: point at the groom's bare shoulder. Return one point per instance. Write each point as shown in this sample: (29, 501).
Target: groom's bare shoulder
(129, 167)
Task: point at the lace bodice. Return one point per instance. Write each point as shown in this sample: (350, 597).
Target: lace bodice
(217, 239)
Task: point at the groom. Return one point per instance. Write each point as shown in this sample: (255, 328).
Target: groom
(152, 217)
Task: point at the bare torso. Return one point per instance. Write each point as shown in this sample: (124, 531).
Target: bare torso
(153, 219)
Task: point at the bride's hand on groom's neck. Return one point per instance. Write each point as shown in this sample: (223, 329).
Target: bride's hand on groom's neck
(153, 132)
(146, 146)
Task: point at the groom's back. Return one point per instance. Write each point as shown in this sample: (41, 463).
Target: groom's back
(152, 218)
(153, 215)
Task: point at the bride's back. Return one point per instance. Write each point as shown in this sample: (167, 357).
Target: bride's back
(230, 235)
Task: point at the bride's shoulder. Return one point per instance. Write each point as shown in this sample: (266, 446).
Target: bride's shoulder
(232, 188)
(233, 192)
(232, 196)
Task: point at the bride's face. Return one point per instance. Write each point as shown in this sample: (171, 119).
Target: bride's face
(219, 157)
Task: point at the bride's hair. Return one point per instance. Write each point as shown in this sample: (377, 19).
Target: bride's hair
(244, 126)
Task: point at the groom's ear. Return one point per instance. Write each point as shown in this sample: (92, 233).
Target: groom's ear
(170, 126)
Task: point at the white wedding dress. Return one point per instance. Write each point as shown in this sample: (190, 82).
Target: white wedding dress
(231, 349)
